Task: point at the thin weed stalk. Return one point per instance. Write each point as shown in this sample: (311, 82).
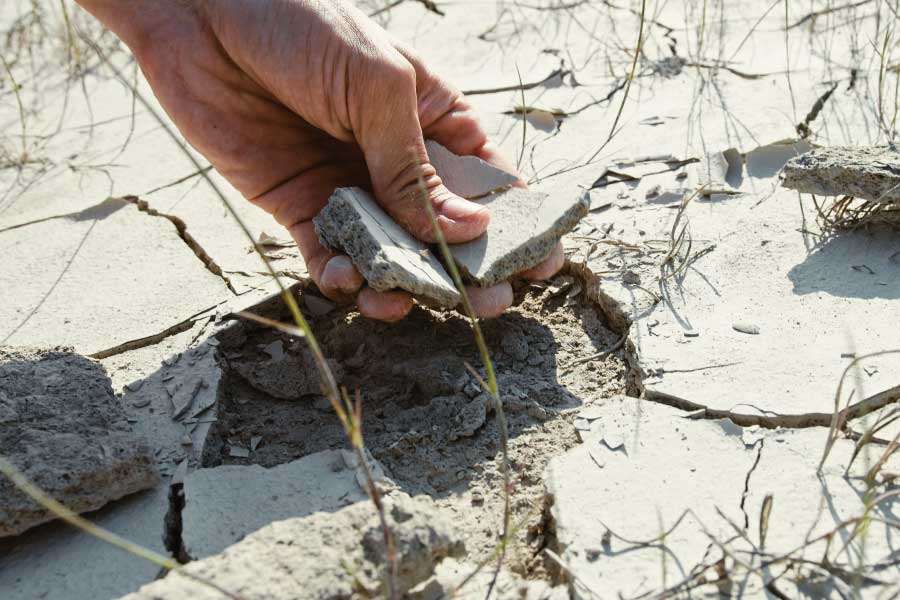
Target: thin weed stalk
(787, 58)
(491, 384)
(524, 120)
(22, 119)
(348, 415)
(839, 417)
(631, 73)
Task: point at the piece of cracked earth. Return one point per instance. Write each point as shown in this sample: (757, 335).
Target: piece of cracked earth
(869, 173)
(524, 228)
(222, 505)
(63, 427)
(386, 255)
(324, 556)
(467, 176)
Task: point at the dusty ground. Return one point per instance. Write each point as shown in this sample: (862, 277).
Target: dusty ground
(719, 423)
(424, 414)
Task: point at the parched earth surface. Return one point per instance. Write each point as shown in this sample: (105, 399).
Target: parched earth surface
(426, 418)
(669, 398)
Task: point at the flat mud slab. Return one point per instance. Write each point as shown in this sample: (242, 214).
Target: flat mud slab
(62, 426)
(869, 173)
(524, 228)
(386, 255)
(271, 563)
(425, 418)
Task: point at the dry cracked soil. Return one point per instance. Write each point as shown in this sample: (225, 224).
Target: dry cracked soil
(426, 418)
(669, 398)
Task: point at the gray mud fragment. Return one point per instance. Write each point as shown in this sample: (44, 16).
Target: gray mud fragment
(323, 556)
(290, 374)
(226, 503)
(467, 176)
(386, 255)
(868, 173)
(524, 227)
(61, 425)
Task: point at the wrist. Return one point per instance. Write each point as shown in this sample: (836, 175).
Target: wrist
(135, 22)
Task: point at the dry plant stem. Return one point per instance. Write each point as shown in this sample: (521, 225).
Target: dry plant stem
(634, 62)
(327, 380)
(72, 50)
(15, 87)
(839, 417)
(62, 512)
(787, 58)
(491, 386)
(524, 121)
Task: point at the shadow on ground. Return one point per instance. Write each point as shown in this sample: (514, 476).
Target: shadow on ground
(425, 417)
(852, 264)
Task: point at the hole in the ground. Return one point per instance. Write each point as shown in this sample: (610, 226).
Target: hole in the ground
(423, 413)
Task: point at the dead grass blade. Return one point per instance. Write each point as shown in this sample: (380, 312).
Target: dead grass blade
(488, 366)
(839, 417)
(631, 73)
(22, 120)
(764, 513)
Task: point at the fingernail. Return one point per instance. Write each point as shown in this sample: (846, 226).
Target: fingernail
(458, 209)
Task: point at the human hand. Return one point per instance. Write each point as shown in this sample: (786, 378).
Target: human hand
(290, 99)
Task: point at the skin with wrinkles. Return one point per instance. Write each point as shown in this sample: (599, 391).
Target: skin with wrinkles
(290, 99)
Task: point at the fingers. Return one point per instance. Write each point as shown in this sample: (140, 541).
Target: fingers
(339, 280)
(547, 269)
(391, 140)
(447, 117)
(384, 306)
(490, 302)
(334, 273)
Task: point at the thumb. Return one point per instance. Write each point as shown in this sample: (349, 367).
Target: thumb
(390, 137)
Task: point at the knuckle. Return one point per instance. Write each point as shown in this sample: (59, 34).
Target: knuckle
(397, 71)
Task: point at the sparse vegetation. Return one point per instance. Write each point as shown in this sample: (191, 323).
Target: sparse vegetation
(612, 58)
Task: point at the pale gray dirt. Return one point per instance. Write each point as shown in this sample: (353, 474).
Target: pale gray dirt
(298, 558)
(450, 573)
(717, 476)
(424, 415)
(224, 504)
(62, 426)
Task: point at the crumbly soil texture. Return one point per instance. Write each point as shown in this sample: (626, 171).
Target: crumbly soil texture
(425, 416)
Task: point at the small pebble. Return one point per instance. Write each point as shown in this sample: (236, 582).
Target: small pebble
(747, 328)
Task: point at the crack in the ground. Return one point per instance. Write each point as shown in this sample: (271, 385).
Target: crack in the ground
(620, 322)
(172, 539)
(181, 228)
(803, 128)
(156, 338)
(746, 492)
